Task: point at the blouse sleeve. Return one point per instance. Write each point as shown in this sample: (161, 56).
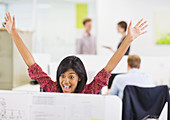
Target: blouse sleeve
(100, 80)
(36, 73)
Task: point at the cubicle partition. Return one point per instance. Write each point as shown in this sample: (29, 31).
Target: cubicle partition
(13, 69)
(51, 106)
(157, 67)
(93, 64)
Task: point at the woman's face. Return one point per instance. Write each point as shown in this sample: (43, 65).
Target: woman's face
(68, 81)
(120, 29)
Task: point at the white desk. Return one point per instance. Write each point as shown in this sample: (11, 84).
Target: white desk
(50, 106)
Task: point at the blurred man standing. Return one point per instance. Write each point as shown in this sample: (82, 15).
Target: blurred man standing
(86, 44)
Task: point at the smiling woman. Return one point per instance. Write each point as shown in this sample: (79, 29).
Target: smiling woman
(71, 78)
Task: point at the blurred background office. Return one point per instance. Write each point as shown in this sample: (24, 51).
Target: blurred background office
(50, 29)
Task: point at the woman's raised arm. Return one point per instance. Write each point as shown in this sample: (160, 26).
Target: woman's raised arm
(25, 53)
(133, 33)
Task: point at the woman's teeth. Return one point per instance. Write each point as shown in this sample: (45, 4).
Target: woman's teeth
(67, 86)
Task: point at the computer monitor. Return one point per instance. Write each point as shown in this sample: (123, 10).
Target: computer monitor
(112, 78)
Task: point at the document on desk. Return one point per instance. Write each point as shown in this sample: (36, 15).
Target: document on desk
(46, 108)
(64, 107)
(13, 106)
(96, 119)
(48, 112)
(86, 107)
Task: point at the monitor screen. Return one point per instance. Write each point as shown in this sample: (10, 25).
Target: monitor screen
(112, 78)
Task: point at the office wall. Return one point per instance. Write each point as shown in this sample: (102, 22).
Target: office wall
(54, 24)
(23, 13)
(110, 12)
(56, 28)
(2, 12)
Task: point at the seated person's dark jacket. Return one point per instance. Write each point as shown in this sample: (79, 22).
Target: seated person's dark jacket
(139, 102)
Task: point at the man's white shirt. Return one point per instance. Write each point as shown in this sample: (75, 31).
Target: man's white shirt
(133, 77)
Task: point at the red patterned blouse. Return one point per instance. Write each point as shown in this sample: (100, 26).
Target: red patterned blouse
(36, 73)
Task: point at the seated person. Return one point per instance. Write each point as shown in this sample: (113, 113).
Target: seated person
(133, 77)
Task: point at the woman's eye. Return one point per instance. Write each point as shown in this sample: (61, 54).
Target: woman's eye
(62, 76)
(71, 77)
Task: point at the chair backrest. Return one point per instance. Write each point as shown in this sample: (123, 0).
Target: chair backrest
(139, 102)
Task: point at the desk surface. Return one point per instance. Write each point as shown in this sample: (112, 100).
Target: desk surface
(49, 106)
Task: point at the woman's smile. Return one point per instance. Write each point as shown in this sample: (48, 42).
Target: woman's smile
(66, 88)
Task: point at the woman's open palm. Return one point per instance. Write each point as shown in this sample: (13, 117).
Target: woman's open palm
(137, 30)
(10, 23)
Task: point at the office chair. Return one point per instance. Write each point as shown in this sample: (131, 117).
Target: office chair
(140, 102)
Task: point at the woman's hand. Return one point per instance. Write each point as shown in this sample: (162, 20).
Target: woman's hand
(25, 53)
(137, 30)
(10, 23)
